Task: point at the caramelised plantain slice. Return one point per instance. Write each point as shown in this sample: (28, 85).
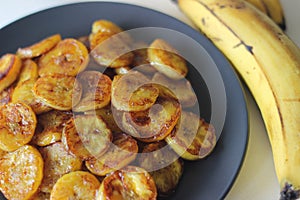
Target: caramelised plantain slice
(192, 138)
(130, 183)
(166, 59)
(86, 136)
(110, 50)
(51, 125)
(168, 167)
(122, 152)
(10, 66)
(58, 162)
(155, 123)
(29, 71)
(58, 91)
(21, 173)
(96, 91)
(23, 93)
(181, 88)
(68, 57)
(106, 26)
(39, 48)
(132, 92)
(17, 125)
(75, 185)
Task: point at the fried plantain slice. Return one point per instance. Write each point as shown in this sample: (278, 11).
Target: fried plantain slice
(155, 123)
(110, 50)
(17, 125)
(181, 88)
(133, 92)
(122, 152)
(51, 125)
(68, 57)
(23, 93)
(96, 91)
(58, 162)
(10, 66)
(130, 183)
(192, 138)
(58, 91)
(86, 136)
(168, 167)
(21, 173)
(29, 71)
(39, 48)
(166, 59)
(108, 117)
(77, 185)
(106, 26)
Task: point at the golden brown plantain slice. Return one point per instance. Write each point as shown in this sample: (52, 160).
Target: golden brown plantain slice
(58, 162)
(122, 152)
(181, 88)
(132, 183)
(110, 50)
(77, 185)
(23, 93)
(96, 91)
(132, 92)
(10, 66)
(58, 91)
(6, 94)
(39, 48)
(17, 125)
(166, 59)
(192, 138)
(108, 117)
(21, 173)
(68, 57)
(86, 136)
(106, 26)
(168, 169)
(29, 71)
(155, 123)
(51, 125)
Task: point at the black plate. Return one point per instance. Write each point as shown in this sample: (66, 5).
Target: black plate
(210, 178)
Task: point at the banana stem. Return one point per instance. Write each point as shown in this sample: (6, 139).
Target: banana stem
(289, 193)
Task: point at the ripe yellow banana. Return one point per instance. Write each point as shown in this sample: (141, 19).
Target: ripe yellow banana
(269, 63)
(272, 8)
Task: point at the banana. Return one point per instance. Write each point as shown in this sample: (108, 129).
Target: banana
(259, 4)
(269, 63)
(275, 12)
(272, 8)
(21, 173)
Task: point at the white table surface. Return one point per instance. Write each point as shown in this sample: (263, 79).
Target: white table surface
(256, 179)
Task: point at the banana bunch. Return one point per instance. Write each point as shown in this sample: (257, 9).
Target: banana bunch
(272, 8)
(269, 63)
